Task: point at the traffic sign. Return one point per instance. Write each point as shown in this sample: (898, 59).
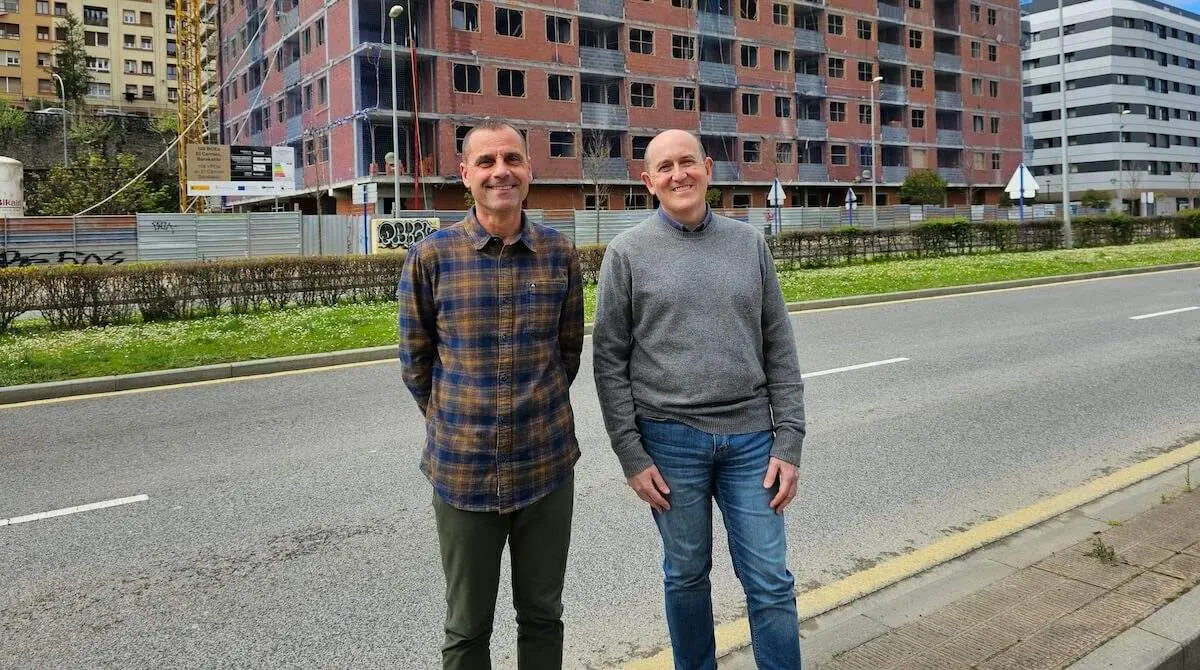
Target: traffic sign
(851, 199)
(366, 193)
(1022, 185)
(776, 196)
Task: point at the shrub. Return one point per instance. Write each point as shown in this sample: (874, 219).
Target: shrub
(943, 236)
(1187, 223)
(18, 292)
(590, 258)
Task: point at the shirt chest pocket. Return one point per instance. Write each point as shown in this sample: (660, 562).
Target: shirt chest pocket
(541, 302)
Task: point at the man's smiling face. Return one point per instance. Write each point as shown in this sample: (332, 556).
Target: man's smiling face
(678, 174)
(496, 169)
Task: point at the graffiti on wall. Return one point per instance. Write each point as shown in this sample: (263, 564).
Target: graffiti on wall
(15, 258)
(399, 234)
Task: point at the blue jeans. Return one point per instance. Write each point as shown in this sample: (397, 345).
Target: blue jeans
(699, 467)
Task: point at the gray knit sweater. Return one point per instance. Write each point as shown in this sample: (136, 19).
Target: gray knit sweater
(691, 326)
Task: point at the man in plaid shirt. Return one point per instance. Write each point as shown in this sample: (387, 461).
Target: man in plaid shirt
(491, 331)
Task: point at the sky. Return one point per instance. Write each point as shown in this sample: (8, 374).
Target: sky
(1191, 5)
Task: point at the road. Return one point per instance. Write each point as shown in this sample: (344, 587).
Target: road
(287, 524)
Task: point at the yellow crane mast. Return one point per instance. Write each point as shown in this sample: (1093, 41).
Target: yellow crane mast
(191, 29)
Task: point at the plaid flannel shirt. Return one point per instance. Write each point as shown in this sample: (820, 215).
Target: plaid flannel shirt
(490, 340)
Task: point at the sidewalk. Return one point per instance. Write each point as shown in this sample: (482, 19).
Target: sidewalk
(1103, 586)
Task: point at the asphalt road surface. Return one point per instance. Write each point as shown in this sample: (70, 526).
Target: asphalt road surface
(286, 523)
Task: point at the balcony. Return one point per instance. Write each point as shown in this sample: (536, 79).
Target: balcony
(893, 93)
(894, 135)
(947, 99)
(945, 61)
(810, 85)
(714, 24)
(725, 170)
(810, 40)
(952, 175)
(716, 122)
(812, 172)
(609, 60)
(291, 74)
(605, 168)
(891, 12)
(892, 52)
(717, 74)
(289, 21)
(610, 116)
(8, 6)
(952, 138)
(295, 128)
(895, 174)
(811, 128)
(612, 8)
(101, 21)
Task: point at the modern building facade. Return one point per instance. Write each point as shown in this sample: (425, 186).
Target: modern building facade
(823, 96)
(130, 46)
(1133, 98)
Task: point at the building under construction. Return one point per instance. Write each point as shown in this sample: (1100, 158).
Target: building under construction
(820, 95)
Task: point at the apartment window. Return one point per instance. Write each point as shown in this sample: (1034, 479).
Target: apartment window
(509, 22)
(45, 87)
(749, 56)
(310, 153)
(641, 94)
(992, 52)
(917, 119)
(13, 30)
(781, 14)
(147, 67)
(864, 115)
(98, 89)
(750, 104)
(783, 107)
(510, 83)
(837, 111)
(129, 17)
(637, 201)
(464, 15)
(838, 154)
(60, 34)
(466, 78)
(280, 111)
(592, 202)
(639, 144)
(685, 4)
(322, 91)
(641, 41)
(976, 86)
(866, 155)
(44, 59)
(13, 58)
(975, 49)
(98, 64)
(915, 39)
(864, 30)
(562, 144)
(41, 7)
(993, 88)
(995, 125)
(836, 24)
(148, 92)
(131, 68)
(995, 160)
(916, 78)
(748, 9)
(683, 47)
(837, 68)
(974, 11)
(915, 4)
(977, 123)
(308, 97)
(866, 71)
(460, 134)
(783, 152)
(560, 86)
(320, 30)
(10, 84)
(684, 98)
(171, 25)
(991, 17)
(147, 44)
(128, 41)
(558, 29)
(751, 151)
(307, 39)
(783, 60)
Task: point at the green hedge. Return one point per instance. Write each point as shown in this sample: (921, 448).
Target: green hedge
(75, 296)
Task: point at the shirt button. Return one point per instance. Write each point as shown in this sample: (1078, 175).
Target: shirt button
(504, 376)
(506, 300)
(505, 338)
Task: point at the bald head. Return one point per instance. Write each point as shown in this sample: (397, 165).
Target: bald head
(672, 139)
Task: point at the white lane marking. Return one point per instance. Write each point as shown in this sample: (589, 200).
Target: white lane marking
(848, 368)
(1169, 311)
(74, 510)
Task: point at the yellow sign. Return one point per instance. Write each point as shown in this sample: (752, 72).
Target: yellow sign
(207, 162)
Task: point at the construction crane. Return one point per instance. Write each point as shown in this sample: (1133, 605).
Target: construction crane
(191, 28)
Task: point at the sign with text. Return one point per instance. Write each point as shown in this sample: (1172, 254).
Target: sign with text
(217, 169)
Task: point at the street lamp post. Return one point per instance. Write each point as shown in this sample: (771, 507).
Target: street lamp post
(394, 13)
(1068, 242)
(874, 158)
(1120, 166)
(62, 87)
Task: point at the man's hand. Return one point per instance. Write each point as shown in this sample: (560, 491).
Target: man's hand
(651, 487)
(788, 475)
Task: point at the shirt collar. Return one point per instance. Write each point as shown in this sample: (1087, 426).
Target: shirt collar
(480, 237)
(703, 222)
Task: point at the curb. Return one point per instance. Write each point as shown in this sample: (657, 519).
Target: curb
(1167, 639)
(140, 380)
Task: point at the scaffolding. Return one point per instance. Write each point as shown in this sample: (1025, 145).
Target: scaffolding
(192, 28)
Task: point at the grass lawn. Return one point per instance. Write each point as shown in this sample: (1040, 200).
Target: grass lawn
(32, 353)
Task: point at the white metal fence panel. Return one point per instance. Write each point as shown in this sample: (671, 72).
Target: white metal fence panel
(222, 236)
(166, 237)
(328, 234)
(274, 233)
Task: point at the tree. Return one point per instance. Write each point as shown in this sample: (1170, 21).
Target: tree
(70, 61)
(596, 152)
(923, 187)
(90, 178)
(1189, 179)
(1093, 199)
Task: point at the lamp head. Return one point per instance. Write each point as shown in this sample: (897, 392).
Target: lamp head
(395, 11)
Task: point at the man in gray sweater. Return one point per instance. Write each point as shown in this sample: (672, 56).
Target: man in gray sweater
(698, 381)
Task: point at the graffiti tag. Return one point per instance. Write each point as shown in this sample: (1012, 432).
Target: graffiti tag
(403, 233)
(15, 259)
(163, 225)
